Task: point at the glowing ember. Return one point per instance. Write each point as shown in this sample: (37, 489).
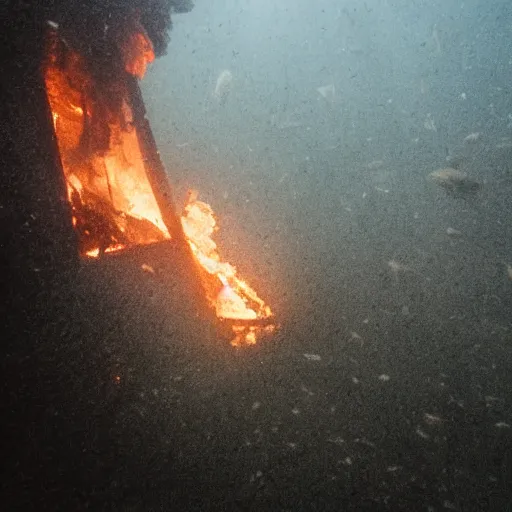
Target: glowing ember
(236, 300)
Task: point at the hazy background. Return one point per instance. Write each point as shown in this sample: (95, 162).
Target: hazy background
(316, 197)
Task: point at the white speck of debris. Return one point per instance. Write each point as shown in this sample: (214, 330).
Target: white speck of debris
(422, 434)
(460, 403)
(147, 268)
(155, 392)
(384, 377)
(337, 440)
(449, 505)
(472, 137)
(429, 123)
(364, 195)
(178, 378)
(295, 411)
(333, 409)
(416, 216)
(366, 320)
(509, 271)
(355, 337)
(347, 461)
(355, 380)
(364, 442)
(256, 405)
(453, 232)
(432, 419)
(292, 445)
(259, 474)
(274, 430)
(396, 267)
(392, 469)
(312, 357)
(502, 424)
(463, 96)
(384, 190)
(306, 390)
(405, 310)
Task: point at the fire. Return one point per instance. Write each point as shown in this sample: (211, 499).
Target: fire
(110, 184)
(236, 300)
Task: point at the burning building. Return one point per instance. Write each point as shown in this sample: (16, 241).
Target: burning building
(87, 183)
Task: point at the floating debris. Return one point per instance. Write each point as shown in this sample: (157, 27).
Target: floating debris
(147, 268)
(336, 440)
(312, 357)
(397, 267)
(472, 137)
(307, 391)
(432, 419)
(502, 424)
(256, 406)
(456, 183)
(509, 271)
(384, 377)
(223, 86)
(364, 442)
(328, 92)
(355, 337)
(422, 434)
(429, 123)
(454, 233)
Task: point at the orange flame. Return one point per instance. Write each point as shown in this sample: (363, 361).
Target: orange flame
(236, 300)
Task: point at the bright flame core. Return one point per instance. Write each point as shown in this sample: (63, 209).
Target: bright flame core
(236, 300)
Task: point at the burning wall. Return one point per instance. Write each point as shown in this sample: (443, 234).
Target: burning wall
(112, 188)
(111, 197)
